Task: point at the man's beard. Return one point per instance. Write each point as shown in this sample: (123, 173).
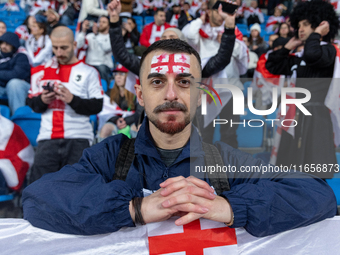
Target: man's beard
(170, 126)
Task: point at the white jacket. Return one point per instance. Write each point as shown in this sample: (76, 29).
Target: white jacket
(91, 7)
(99, 49)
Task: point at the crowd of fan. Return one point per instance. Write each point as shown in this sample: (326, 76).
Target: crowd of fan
(91, 23)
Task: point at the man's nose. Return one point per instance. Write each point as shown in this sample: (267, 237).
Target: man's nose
(171, 91)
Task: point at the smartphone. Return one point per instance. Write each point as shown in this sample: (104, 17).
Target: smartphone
(49, 86)
(226, 7)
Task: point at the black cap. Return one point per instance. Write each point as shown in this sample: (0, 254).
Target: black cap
(280, 41)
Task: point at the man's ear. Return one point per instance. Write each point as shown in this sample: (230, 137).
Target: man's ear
(139, 94)
(75, 45)
(199, 100)
(209, 13)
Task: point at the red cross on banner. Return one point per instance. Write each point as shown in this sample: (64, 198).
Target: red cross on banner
(193, 240)
(170, 63)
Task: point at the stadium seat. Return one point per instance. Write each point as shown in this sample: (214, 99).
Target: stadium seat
(104, 85)
(94, 123)
(246, 85)
(8, 197)
(148, 20)
(251, 137)
(334, 183)
(112, 83)
(29, 122)
(138, 19)
(5, 111)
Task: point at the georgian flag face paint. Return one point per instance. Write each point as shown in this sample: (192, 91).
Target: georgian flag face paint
(170, 63)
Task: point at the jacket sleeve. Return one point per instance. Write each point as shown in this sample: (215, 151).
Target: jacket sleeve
(130, 61)
(269, 203)
(36, 104)
(86, 106)
(218, 62)
(317, 55)
(145, 36)
(44, 54)
(21, 69)
(191, 31)
(81, 199)
(80, 40)
(93, 9)
(279, 62)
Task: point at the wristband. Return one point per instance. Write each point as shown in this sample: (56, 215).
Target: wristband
(137, 204)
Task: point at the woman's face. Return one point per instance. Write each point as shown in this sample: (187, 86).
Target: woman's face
(2, 28)
(131, 24)
(36, 30)
(31, 21)
(284, 30)
(120, 79)
(254, 33)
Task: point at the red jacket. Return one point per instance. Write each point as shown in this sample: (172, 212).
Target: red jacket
(152, 33)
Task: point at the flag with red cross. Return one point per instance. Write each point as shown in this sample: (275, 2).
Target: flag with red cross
(170, 63)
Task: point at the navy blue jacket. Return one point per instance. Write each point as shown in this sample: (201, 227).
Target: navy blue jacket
(82, 199)
(14, 66)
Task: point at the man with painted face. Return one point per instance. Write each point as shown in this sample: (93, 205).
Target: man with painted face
(316, 25)
(89, 197)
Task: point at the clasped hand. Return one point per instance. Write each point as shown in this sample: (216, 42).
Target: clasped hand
(190, 198)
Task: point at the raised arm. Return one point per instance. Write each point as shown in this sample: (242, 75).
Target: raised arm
(130, 61)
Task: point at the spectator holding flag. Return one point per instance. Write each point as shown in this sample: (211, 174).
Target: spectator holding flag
(312, 140)
(94, 197)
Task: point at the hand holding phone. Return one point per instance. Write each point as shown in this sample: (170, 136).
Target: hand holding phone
(227, 6)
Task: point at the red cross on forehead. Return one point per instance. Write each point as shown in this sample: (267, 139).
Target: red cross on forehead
(170, 64)
(190, 240)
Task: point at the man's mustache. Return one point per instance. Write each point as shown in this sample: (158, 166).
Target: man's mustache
(170, 106)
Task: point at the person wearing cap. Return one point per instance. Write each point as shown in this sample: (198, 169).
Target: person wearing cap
(53, 20)
(15, 71)
(126, 117)
(256, 42)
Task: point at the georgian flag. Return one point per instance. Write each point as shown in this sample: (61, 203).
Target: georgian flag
(264, 81)
(332, 101)
(16, 153)
(317, 239)
(170, 63)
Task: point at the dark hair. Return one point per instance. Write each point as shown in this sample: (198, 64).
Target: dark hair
(3, 22)
(25, 23)
(211, 4)
(42, 25)
(290, 33)
(259, 39)
(170, 46)
(315, 12)
(158, 10)
(135, 30)
(186, 3)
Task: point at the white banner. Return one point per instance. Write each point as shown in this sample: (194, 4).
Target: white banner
(17, 236)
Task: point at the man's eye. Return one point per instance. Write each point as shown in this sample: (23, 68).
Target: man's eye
(157, 82)
(184, 82)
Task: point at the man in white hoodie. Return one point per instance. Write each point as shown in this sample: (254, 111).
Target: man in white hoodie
(99, 54)
(205, 37)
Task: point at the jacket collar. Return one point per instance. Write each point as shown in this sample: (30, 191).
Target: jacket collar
(145, 145)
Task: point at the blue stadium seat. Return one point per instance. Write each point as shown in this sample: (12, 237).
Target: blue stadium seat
(104, 85)
(247, 136)
(242, 26)
(94, 123)
(112, 83)
(29, 122)
(138, 19)
(7, 197)
(5, 111)
(246, 85)
(334, 183)
(148, 20)
(244, 31)
(140, 28)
